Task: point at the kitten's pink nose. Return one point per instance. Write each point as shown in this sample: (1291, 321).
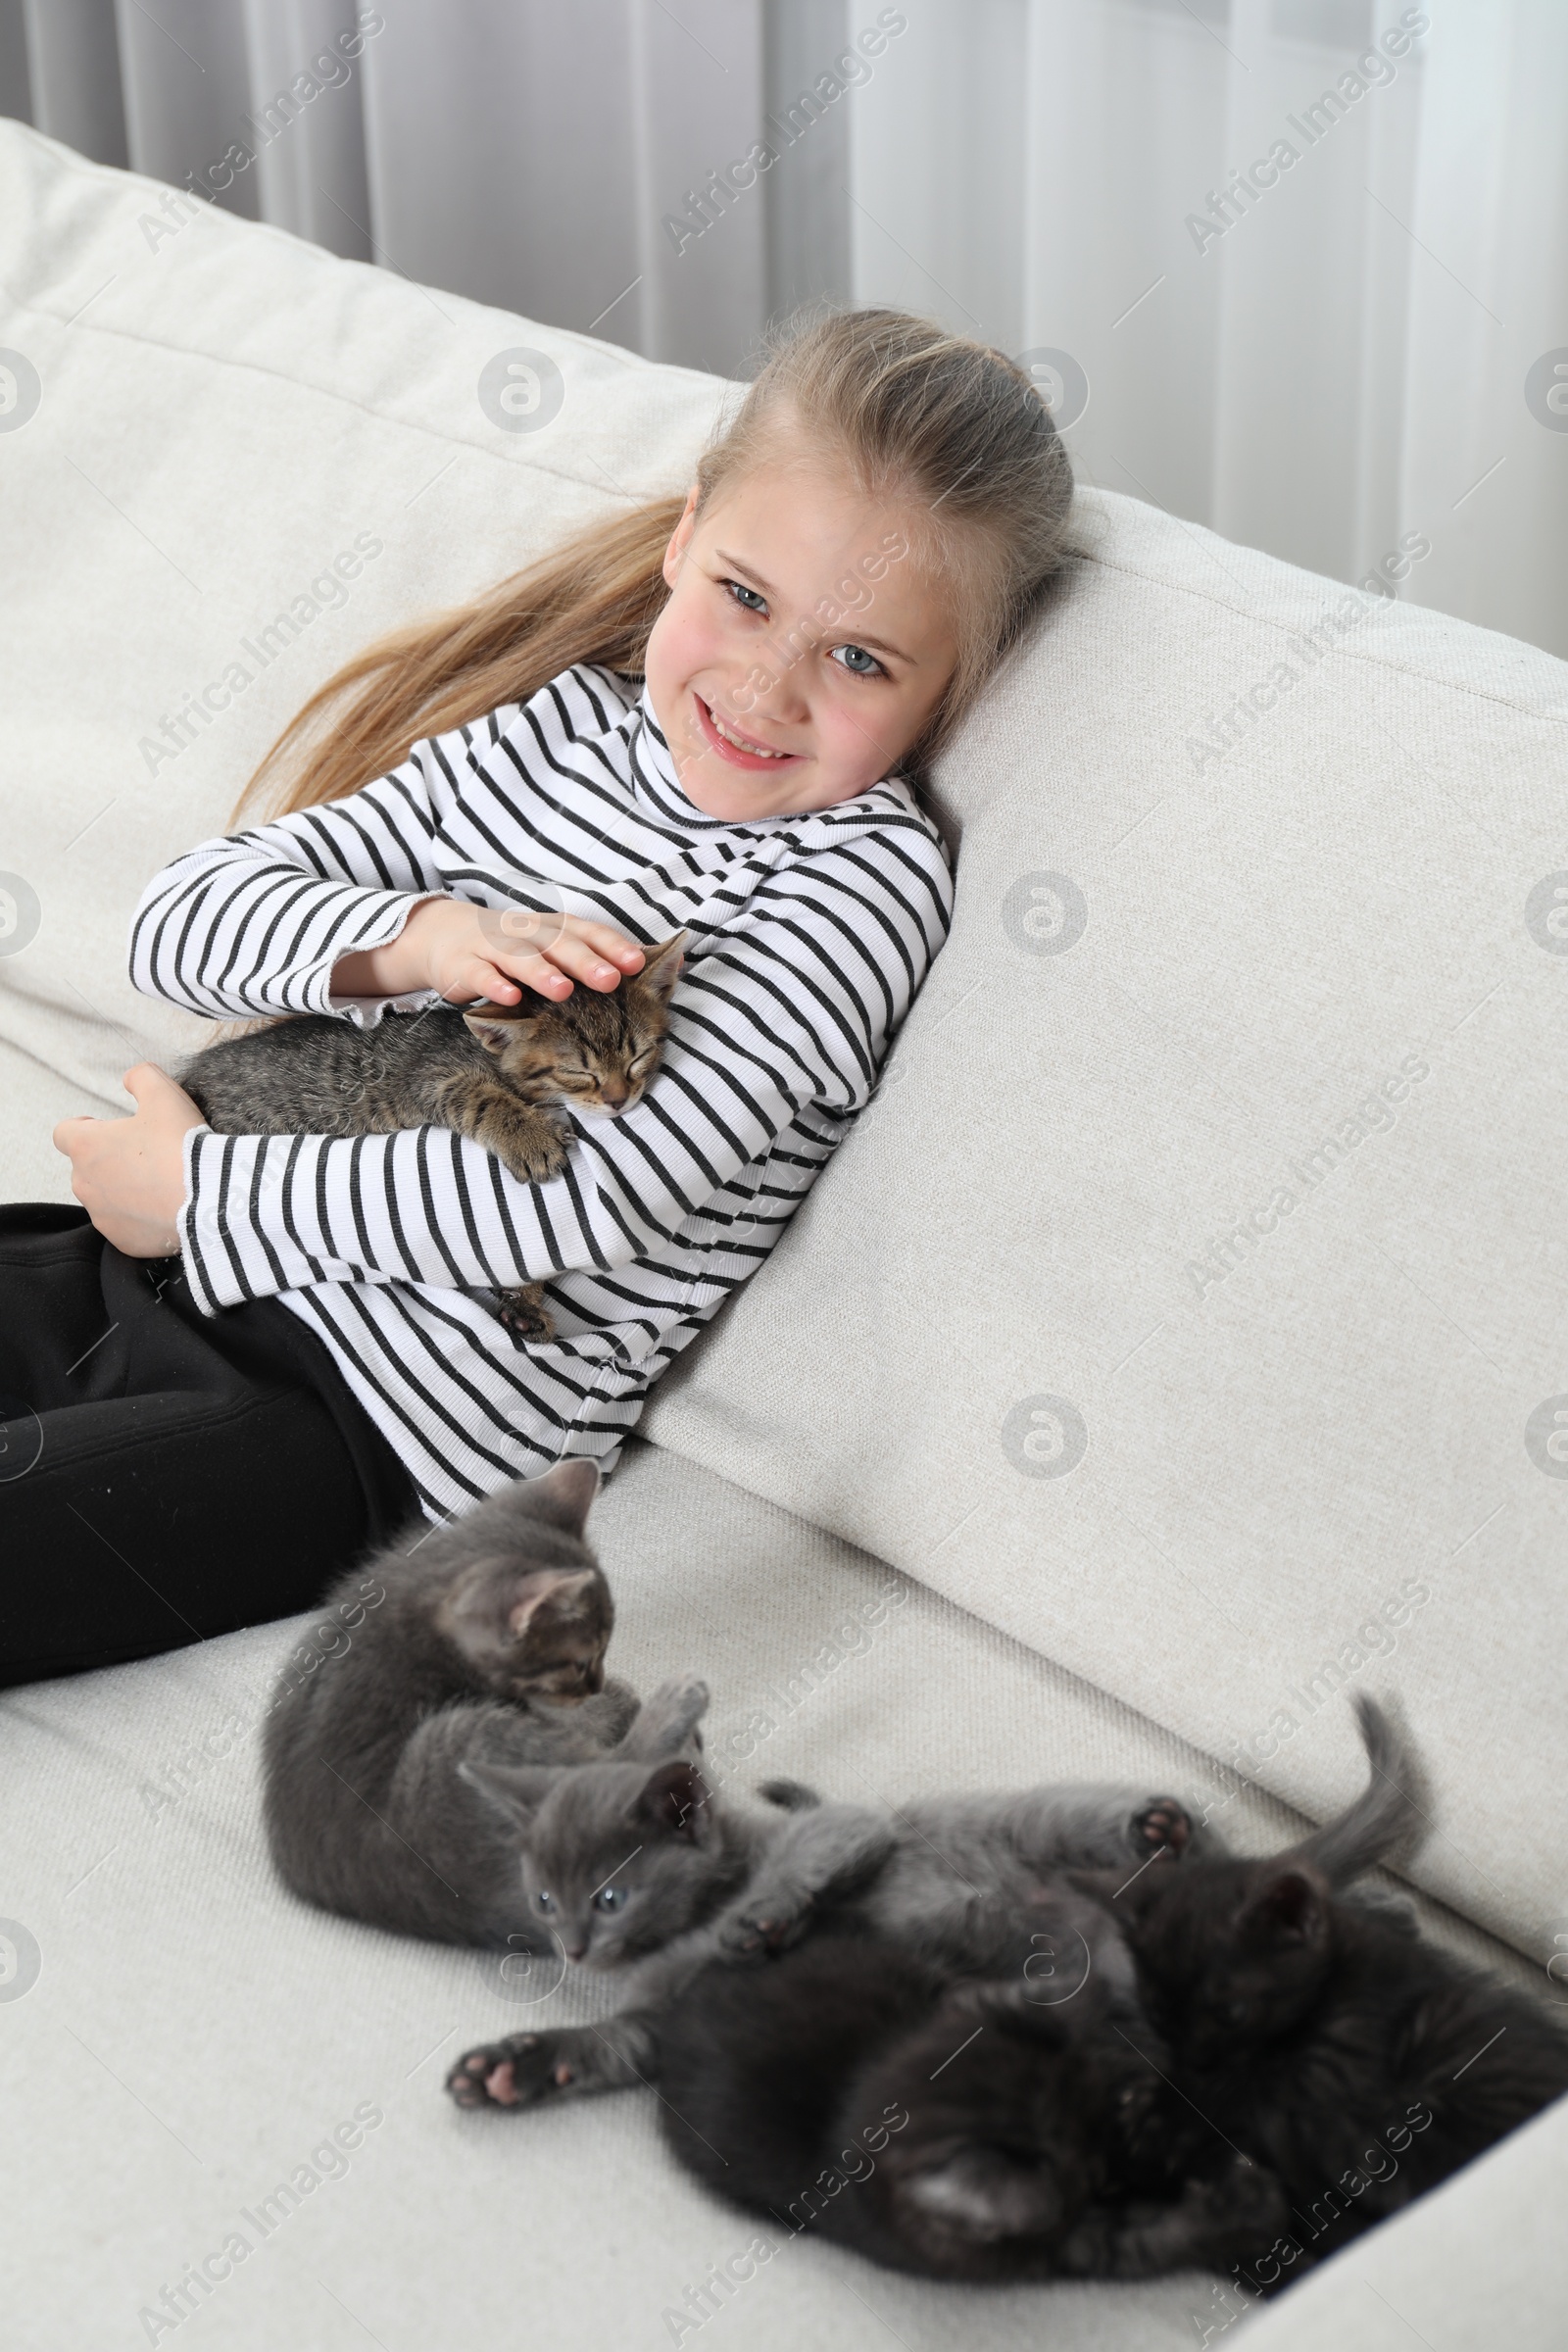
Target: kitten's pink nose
(575, 1952)
(613, 1093)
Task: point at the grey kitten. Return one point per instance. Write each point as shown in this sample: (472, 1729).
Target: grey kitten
(651, 1871)
(492, 1073)
(954, 1880)
(482, 1640)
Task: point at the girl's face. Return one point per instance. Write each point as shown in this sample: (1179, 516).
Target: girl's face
(801, 651)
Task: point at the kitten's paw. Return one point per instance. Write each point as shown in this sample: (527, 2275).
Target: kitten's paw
(531, 1146)
(668, 1719)
(613, 1711)
(525, 1314)
(764, 1928)
(1162, 1825)
(518, 2072)
(1242, 2205)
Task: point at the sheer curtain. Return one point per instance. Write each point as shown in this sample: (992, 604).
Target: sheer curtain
(1295, 269)
(1345, 354)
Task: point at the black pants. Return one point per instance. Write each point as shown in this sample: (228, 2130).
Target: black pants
(164, 1475)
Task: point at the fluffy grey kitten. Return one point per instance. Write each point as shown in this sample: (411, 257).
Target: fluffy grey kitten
(480, 1643)
(651, 1871)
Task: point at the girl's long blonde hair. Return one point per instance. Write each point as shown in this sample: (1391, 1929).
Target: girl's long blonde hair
(933, 419)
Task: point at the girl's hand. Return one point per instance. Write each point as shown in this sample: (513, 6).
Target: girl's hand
(129, 1174)
(464, 952)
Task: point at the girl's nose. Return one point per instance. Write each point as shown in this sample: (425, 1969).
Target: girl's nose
(782, 701)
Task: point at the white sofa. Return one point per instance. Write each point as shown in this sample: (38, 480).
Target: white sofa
(1156, 1467)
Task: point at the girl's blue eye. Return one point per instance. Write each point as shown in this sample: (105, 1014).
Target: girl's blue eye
(858, 662)
(610, 1898)
(747, 597)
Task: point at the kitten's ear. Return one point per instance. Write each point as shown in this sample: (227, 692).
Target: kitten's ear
(661, 969)
(563, 1586)
(674, 1799)
(561, 1498)
(516, 1790)
(493, 1032)
(1288, 1908)
(490, 1607)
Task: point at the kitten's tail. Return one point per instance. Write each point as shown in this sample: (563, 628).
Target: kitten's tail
(1384, 1816)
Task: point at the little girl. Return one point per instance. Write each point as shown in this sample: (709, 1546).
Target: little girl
(693, 718)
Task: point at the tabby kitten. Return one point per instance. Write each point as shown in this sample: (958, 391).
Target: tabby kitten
(494, 1074)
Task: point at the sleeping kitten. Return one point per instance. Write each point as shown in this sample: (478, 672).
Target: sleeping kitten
(961, 2130)
(654, 1870)
(1354, 2059)
(482, 1639)
(491, 1073)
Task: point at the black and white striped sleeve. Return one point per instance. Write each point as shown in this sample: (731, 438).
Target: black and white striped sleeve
(785, 1017)
(253, 922)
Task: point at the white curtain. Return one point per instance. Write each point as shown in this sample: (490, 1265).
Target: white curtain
(1334, 367)
(1295, 269)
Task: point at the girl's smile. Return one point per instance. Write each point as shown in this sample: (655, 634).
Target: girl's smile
(726, 739)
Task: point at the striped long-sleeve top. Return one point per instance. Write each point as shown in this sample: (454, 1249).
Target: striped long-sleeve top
(808, 937)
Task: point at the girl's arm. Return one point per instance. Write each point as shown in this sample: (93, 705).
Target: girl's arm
(344, 902)
(783, 1020)
(254, 922)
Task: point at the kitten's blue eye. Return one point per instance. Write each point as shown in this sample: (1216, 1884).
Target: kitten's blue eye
(610, 1898)
(858, 662)
(747, 597)
(546, 1902)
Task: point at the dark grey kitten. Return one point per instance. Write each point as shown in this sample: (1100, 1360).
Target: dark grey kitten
(962, 2130)
(1358, 2062)
(482, 1641)
(499, 1074)
(954, 1879)
(1042, 2126)
(651, 1871)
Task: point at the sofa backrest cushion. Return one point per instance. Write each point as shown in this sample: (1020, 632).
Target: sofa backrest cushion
(1192, 1300)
